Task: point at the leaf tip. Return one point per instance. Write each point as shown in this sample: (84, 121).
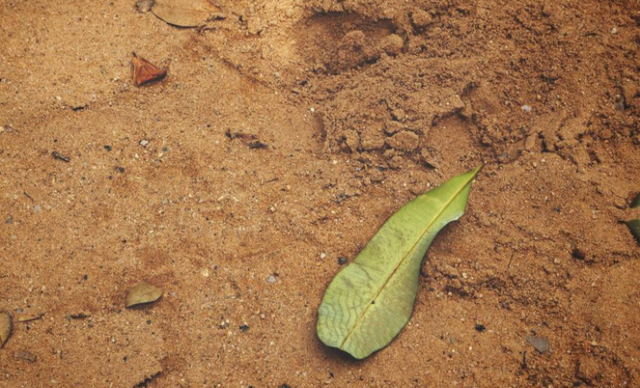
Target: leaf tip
(636, 202)
(6, 327)
(634, 227)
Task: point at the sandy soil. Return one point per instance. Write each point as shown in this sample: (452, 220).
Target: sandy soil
(362, 105)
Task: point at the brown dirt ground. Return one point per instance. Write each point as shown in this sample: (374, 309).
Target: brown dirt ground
(363, 104)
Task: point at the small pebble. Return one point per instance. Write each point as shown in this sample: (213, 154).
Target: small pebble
(244, 328)
(526, 108)
(271, 279)
(323, 255)
(108, 148)
(342, 260)
(37, 208)
(540, 343)
(205, 272)
(480, 328)
(144, 143)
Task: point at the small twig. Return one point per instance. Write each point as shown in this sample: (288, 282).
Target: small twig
(63, 158)
(271, 180)
(28, 196)
(509, 265)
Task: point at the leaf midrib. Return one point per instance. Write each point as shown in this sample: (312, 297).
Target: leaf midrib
(384, 285)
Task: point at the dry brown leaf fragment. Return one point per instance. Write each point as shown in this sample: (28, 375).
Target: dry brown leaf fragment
(142, 293)
(145, 72)
(186, 13)
(143, 6)
(541, 344)
(25, 355)
(5, 328)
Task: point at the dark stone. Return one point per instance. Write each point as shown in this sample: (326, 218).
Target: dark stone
(578, 254)
(256, 145)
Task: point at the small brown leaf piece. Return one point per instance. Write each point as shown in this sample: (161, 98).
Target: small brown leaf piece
(25, 355)
(540, 343)
(186, 13)
(145, 72)
(5, 328)
(141, 293)
(143, 6)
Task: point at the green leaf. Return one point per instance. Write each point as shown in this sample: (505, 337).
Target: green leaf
(636, 202)
(369, 302)
(634, 227)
